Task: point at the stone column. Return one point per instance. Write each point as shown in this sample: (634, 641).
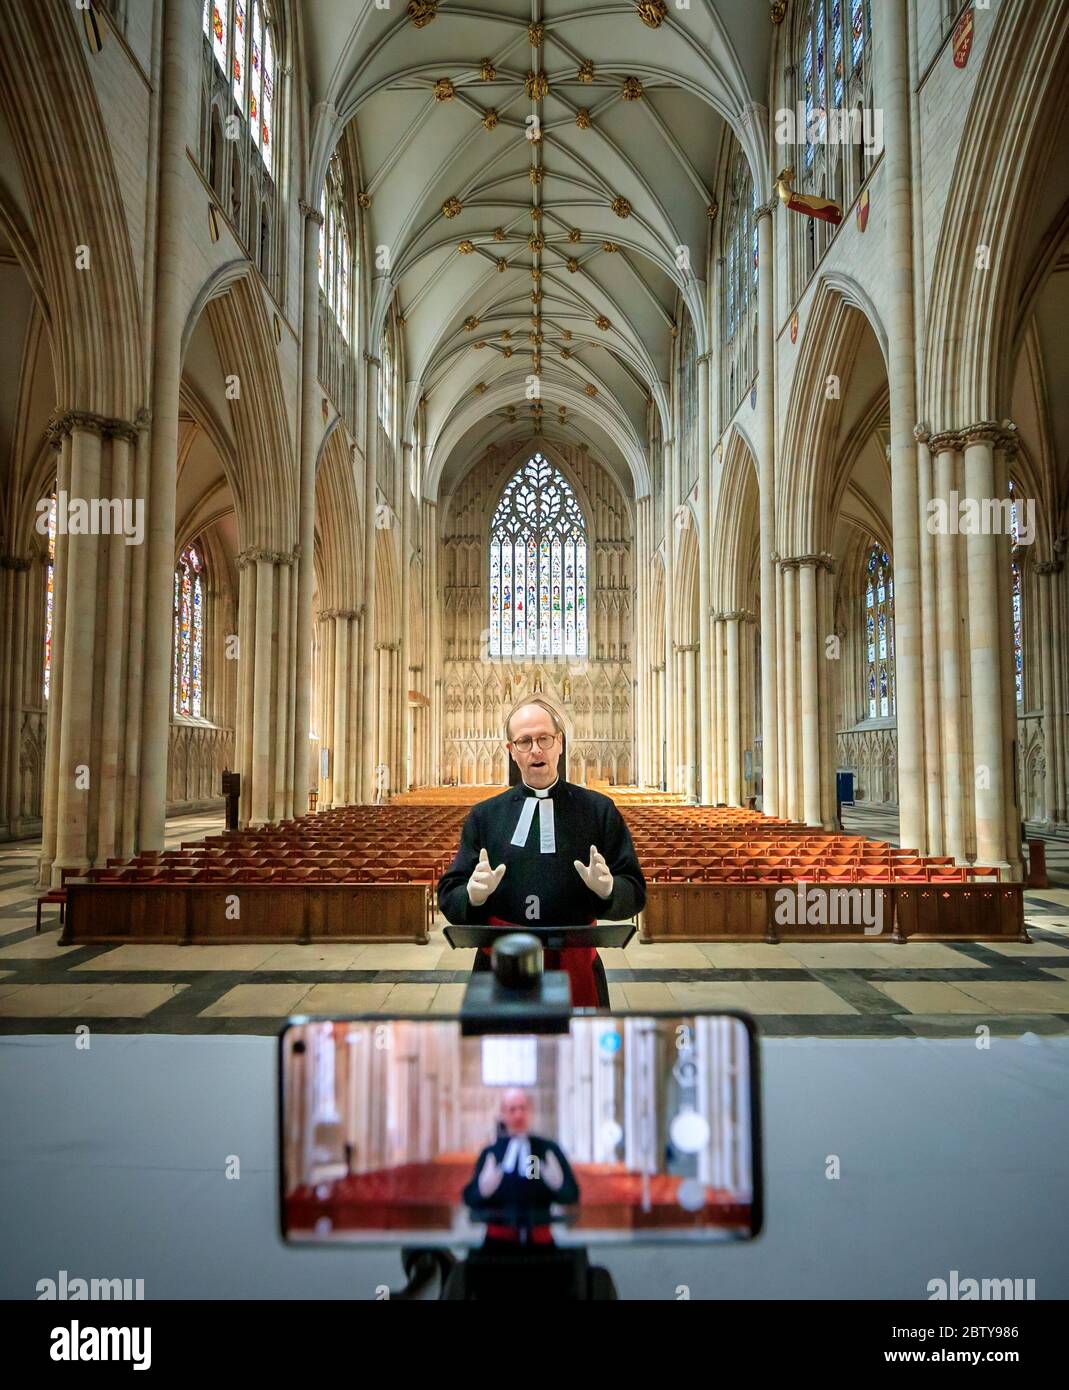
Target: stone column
(734, 710)
(772, 793)
(285, 743)
(1059, 648)
(809, 681)
(985, 659)
(311, 432)
(930, 648)
(1005, 448)
(780, 712)
(369, 661)
(13, 572)
(671, 753)
(325, 718)
(790, 686)
(135, 671)
(901, 350)
(704, 578)
(118, 553)
(180, 71)
(263, 673)
(946, 546)
(50, 795)
(404, 653)
(78, 771)
(1047, 636)
(688, 655)
(342, 790)
(721, 695)
(246, 646)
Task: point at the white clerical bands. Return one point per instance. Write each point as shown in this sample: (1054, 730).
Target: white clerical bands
(547, 843)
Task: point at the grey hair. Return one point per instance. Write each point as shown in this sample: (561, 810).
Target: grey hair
(558, 727)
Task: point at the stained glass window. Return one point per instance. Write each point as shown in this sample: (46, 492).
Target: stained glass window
(538, 566)
(188, 633)
(740, 290)
(217, 28)
(1018, 600)
(240, 30)
(880, 634)
(1018, 633)
(833, 94)
(337, 268)
(50, 591)
(239, 53)
(385, 401)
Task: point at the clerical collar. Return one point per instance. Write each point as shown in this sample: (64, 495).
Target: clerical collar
(528, 790)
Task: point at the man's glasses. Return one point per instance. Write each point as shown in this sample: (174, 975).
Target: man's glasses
(544, 741)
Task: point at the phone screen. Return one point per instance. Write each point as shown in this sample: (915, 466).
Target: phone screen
(622, 1129)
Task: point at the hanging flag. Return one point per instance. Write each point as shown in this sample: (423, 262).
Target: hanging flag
(808, 204)
(863, 211)
(794, 328)
(213, 222)
(962, 41)
(94, 33)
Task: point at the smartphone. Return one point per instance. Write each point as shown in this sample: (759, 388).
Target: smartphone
(624, 1128)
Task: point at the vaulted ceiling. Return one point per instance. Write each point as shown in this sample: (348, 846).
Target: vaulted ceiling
(540, 174)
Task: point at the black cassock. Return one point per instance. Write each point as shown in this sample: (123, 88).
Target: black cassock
(521, 1199)
(544, 889)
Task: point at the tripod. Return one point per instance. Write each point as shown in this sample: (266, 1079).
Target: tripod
(518, 994)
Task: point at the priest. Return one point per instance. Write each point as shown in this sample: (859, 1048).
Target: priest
(544, 853)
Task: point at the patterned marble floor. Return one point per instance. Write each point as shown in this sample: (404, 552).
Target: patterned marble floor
(818, 990)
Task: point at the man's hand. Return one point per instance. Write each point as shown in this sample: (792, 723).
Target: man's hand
(490, 1174)
(552, 1172)
(596, 874)
(484, 880)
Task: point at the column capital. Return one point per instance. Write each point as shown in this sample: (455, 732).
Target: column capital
(1048, 567)
(736, 615)
(999, 435)
(943, 442)
(387, 646)
(819, 559)
(686, 646)
(15, 562)
(371, 360)
(310, 213)
(65, 422)
(254, 553)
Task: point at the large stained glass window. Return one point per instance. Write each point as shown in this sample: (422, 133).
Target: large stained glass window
(880, 634)
(50, 592)
(740, 292)
(1018, 600)
(241, 29)
(188, 633)
(336, 264)
(538, 566)
(833, 91)
(386, 384)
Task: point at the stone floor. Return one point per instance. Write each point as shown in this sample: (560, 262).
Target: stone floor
(818, 990)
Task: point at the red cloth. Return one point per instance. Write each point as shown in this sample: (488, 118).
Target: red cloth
(576, 961)
(533, 1235)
